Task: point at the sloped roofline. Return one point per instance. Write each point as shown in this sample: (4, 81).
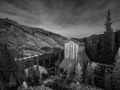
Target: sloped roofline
(74, 40)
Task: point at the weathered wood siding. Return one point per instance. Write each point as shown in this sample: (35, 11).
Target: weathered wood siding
(81, 48)
(72, 49)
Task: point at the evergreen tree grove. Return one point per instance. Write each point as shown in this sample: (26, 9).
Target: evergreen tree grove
(70, 71)
(116, 71)
(79, 73)
(108, 44)
(117, 39)
(7, 63)
(37, 72)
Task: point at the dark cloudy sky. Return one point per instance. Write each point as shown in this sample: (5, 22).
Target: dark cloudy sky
(71, 18)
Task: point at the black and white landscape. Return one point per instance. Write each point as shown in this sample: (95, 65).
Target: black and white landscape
(59, 45)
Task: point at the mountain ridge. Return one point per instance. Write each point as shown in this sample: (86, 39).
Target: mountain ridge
(33, 39)
(24, 38)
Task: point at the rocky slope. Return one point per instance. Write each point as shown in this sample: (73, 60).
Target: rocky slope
(28, 40)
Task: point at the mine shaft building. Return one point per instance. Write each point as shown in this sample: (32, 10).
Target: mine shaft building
(74, 54)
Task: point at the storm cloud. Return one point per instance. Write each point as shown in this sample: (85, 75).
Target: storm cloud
(71, 18)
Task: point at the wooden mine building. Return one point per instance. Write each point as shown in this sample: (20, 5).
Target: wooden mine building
(74, 53)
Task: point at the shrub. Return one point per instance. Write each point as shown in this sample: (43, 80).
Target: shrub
(74, 86)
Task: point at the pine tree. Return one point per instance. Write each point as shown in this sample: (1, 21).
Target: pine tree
(108, 48)
(12, 81)
(31, 63)
(94, 51)
(107, 79)
(37, 71)
(117, 39)
(116, 71)
(87, 74)
(6, 62)
(85, 41)
(78, 74)
(70, 71)
(44, 62)
(31, 74)
(20, 71)
(60, 56)
(99, 49)
(49, 58)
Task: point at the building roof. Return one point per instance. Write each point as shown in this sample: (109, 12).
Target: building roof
(66, 62)
(75, 40)
(57, 63)
(82, 59)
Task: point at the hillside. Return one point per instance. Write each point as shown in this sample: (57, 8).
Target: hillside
(28, 40)
(92, 37)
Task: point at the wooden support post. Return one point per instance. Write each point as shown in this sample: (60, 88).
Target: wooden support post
(58, 72)
(55, 71)
(49, 61)
(42, 62)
